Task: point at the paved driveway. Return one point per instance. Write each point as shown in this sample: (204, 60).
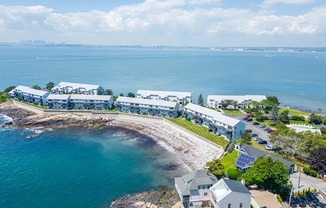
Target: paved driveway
(255, 128)
(306, 182)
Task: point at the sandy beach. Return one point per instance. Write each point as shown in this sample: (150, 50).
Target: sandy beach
(188, 147)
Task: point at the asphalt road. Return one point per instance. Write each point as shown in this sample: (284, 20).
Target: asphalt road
(255, 128)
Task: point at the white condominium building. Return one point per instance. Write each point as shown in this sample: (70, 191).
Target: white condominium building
(147, 107)
(58, 101)
(77, 88)
(30, 95)
(88, 102)
(75, 101)
(217, 122)
(233, 101)
(180, 97)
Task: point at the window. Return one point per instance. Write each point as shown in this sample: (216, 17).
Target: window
(205, 194)
(229, 205)
(240, 205)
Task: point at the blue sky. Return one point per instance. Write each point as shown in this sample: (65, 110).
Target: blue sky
(167, 22)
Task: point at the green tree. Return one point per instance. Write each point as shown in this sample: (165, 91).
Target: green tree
(274, 115)
(8, 89)
(130, 94)
(246, 137)
(268, 174)
(274, 100)
(315, 119)
(108, 92)
(49, 85)
(284, 117)
(100, 91)
(121, 94)
(323, 130)
(267, 105)
(216, 168)
(37, 87)
(233, 173)
(200, 100)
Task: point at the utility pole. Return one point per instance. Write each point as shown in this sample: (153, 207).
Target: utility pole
(299, 177)
(290, 197)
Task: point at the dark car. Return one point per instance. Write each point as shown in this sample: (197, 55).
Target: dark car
(261, 141)
(300, 201)
(256, 123)
(263, 126)
(254, 135)
(312, 196)
(249, 119)
(244, 118)
(269, 131)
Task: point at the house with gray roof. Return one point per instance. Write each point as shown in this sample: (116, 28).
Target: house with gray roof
(228, 193)
(216, 122)
(249, 154)
(193, 188)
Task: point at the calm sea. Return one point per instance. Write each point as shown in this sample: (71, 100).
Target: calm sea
(80, 168)
(298, 79)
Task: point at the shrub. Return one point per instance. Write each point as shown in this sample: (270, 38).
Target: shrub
(310, 172)
(233, 173)
(323, 130)
(279, 199)
(231, 147)
(297, 118)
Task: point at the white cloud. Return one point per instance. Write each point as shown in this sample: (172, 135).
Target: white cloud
(163, 20)
(270, 3)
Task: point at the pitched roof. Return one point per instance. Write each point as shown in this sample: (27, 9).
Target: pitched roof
(58, 97)
(32, 91)
(217, 116)
(252, 151)
(147, 102)
(192, 180)
(164, 93)
(236, 186)
(77, 85)
(89, 97)
(226, 186)
(238, 98)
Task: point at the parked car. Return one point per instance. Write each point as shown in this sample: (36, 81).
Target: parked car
(254, 135)
(269, 131)
(249, 130)
(269, 147)
(263, 126)
(244, 118)
(301, 203)
(257, 138)
(312, 196)
(256, 123)
(262, 141)
(249, 119)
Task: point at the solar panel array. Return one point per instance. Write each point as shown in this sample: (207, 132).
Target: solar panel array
(244, 160)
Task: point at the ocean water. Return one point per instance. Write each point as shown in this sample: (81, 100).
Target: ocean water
(298, 79)
(80, 167)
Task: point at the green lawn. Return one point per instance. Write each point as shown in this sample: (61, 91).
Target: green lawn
(199, 130)
(229, 160)
(232, 112)
(295, 112)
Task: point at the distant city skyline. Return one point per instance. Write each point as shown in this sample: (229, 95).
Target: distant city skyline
(276, 23)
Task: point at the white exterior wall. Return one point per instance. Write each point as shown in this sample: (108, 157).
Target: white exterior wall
(198, 197)
(180, 100)
(234, 198)
(220, 127)
(159, 111)
(31, 98)
(58, 104)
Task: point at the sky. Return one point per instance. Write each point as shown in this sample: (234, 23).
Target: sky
(212, 23)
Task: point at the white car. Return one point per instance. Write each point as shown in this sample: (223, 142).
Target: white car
(269, 147)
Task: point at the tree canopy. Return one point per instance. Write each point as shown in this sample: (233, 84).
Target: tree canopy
(37, 87)
(273, 99)
(49, 85)
(246, 137)
(268, 174)
(317, 160)
(200, 100)
(108, 92)
(130, 94)
(8, 89)
(274, 115)
(216, 168)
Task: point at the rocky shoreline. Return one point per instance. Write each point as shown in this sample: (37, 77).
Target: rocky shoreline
(162, 198)
(25, 119)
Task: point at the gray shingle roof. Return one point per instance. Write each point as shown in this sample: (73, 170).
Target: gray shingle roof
(192, 180)
(236, 186)
(252, 151)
